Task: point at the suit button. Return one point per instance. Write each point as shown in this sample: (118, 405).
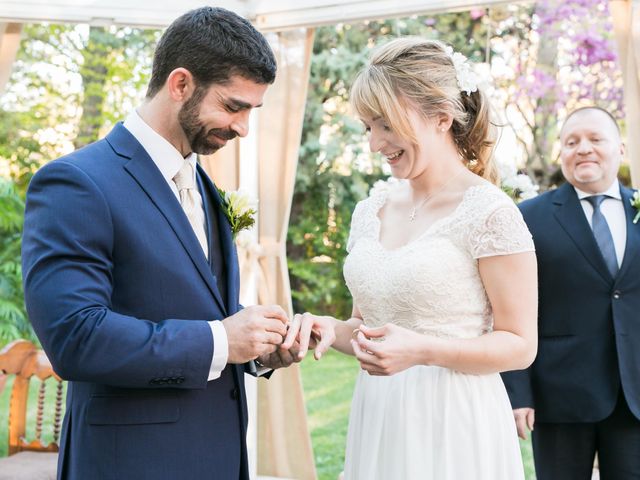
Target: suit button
(235, 394)
(617, 294)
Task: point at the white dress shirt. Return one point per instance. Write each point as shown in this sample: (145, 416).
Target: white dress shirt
(169, 160)
(613, 212)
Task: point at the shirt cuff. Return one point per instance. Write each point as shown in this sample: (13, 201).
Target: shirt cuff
(220, 349)
(261, 370)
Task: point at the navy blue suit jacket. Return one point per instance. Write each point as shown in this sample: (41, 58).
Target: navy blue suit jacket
(119, 292)
(589, 322)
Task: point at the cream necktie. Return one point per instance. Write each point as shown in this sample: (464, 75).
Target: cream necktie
(191, 202)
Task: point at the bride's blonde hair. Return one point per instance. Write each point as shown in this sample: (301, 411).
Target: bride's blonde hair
(414, 72)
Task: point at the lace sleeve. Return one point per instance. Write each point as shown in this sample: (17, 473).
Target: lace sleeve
(356, 226)
(501, 232)
(364, 218)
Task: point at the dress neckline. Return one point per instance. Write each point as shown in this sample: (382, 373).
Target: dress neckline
(383, 200)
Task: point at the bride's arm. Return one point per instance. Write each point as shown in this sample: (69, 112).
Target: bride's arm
(344, 331)
(511, 285)
(512, 288)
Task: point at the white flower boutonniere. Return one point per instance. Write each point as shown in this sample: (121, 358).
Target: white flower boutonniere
(635, 203)
(239, 210)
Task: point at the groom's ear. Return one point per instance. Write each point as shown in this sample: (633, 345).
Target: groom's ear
(180, 85)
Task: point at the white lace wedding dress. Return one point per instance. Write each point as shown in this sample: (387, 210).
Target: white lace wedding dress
(432, 422)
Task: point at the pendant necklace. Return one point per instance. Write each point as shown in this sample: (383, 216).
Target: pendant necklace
(420, 204)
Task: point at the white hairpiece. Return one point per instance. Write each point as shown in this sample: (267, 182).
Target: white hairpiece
(467, 79)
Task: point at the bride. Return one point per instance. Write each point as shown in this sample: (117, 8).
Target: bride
(443, 277)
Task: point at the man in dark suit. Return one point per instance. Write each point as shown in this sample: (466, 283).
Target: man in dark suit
(583, 390)
(131, 275)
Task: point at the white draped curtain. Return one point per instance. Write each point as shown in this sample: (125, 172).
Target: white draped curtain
(9, 43)
(626, 21)
(283, 437)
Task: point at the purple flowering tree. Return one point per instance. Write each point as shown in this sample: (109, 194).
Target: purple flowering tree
(566, 59)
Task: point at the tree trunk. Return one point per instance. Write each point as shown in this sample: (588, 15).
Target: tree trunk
(545, 116)
(94, 75)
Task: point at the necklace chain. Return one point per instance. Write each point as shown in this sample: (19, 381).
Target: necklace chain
(422, 202)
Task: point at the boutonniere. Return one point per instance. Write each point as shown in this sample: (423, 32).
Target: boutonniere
(239, 210)
(635, 203)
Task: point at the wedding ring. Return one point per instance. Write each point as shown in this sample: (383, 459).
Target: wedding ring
(354, 334)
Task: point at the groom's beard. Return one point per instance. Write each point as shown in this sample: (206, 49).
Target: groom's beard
(201, 140)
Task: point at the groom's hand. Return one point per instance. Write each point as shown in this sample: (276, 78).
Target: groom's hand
(254, 332)
(281, 357)
(310, 331)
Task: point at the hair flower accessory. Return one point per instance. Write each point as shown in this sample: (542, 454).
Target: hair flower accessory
(468, 80)
(635, 203)
(239, 210)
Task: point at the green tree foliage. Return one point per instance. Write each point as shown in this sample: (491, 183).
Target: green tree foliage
(115, 69)
(69, 84)
(565, 58)
(13, 319)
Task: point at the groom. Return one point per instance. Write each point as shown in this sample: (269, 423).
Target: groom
(131, 275)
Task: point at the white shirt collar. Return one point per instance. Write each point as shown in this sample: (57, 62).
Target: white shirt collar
(166, 157)
(613, 191)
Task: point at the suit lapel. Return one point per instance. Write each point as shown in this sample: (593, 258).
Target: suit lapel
(570, 215)
(633, 232)
(226, 242)
(145, 172)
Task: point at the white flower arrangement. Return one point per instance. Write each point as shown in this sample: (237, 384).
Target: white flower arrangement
(239, 209)
(468, 80)
(517, 185)
(635, 203)
(521, 185)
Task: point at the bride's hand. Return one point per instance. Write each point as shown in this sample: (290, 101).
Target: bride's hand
(386, 350)
(312, 332)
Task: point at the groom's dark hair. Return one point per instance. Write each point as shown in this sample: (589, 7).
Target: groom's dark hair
(214, 44)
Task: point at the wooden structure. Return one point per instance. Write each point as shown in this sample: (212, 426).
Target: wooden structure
(30, 458)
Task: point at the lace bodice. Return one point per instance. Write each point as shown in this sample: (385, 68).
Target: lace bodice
(432, 284)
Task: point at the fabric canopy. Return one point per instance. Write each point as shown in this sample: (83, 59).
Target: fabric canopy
(267, 15)
(626, 21)
(9, 43)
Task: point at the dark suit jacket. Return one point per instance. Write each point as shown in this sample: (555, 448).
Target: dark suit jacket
(589, 322)
(119, 291)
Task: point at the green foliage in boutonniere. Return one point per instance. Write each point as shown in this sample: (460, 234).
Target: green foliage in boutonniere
(238, 209)
(635, 203)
